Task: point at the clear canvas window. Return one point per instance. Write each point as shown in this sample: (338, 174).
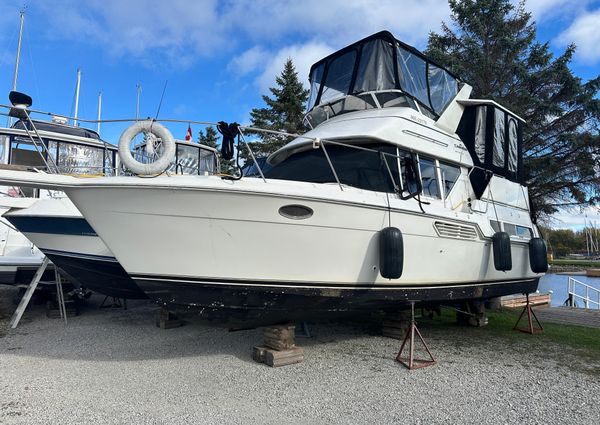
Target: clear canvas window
(339, 76)
(512, 145)
(442, 88)
(499, 139)
(315, 85)
(412, 74)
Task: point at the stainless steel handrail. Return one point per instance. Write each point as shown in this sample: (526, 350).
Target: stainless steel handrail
(572, 284)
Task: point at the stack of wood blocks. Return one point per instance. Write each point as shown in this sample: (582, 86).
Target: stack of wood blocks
(395, 326)
(279, 348)
(53, 310)
(167, 320)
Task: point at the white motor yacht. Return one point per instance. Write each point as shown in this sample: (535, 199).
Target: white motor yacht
(405, 189)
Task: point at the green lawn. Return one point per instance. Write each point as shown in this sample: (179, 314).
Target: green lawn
(577, 263)
(501, 323)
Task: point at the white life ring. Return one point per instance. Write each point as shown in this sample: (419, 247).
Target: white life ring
(147, 126)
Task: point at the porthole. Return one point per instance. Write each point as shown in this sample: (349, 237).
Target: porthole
(296, 212)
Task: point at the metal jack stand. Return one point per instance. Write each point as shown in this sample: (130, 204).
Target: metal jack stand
(116, 303)
(410, 362)
(60, 296)
(530, 316)
(16, 317)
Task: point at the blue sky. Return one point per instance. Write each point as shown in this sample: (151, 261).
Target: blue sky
(219, 57)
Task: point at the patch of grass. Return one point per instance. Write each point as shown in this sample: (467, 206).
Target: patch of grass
(576, 263)
(501, 323)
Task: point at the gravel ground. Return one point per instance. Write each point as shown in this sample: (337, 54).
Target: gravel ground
(115, 366)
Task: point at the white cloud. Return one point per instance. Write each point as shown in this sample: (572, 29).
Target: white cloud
(249, 61)
(585, 33)
(303, 56)
(546, 9)
(575, 218)
(177, 31)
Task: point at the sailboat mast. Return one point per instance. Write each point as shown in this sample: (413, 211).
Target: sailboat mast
(18, 58)
(99, 110)
(77, 97)
(138, 91)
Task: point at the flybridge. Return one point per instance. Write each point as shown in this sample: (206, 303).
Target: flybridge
(380, 62)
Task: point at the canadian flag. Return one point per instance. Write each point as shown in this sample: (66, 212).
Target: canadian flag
(188, 135)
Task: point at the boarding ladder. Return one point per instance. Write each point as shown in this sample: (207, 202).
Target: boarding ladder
(591, 297)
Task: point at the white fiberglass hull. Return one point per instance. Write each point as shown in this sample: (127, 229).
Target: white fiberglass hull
(214, 244)
(61, 233)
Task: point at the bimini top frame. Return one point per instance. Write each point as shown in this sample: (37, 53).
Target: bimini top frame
(381, 62)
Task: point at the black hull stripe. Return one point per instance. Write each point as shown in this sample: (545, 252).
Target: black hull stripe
(321, 285)
(76, 226)
(78, 255)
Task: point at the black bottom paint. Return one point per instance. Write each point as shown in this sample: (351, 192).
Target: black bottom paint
(272, 304)
(104, 277)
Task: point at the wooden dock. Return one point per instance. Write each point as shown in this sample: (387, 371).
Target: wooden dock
(515, 301)
(569, 316)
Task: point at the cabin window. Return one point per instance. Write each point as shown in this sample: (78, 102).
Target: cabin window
(363, 169)
(396, 99)
(495, 225)
(73, 158)
(376, 67)
(429, 177)
(450, 174)
(23, 152)
(338, 77)
(410, 175)
(188, 159)
(524, 232)
(4, 141)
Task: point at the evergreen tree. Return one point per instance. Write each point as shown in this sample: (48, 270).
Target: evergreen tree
(284, 111)
(211, 138)
(491, 45)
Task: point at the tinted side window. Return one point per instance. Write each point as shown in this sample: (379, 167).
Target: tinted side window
(354, 167)
(450, 175)
(429, 177)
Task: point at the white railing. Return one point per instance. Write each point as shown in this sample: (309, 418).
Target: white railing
(592, 295)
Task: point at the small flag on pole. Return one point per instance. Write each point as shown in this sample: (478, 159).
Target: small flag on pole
(188, 135)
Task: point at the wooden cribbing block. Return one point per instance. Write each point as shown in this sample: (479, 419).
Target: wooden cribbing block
(167, 320)
(394, 328)
(259, 353)
(281, 337)
(276, 358)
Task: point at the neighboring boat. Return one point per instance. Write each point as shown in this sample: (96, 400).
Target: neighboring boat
(404, 190)
(58, 229)
(31, 144)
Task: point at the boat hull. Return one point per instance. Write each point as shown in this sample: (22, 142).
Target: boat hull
(267, 302)
(225, 247)
(73, 246)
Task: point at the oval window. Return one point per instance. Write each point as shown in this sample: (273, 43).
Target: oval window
(296, 212)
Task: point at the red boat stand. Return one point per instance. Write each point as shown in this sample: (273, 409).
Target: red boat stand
(530, 316)
(410, 362)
